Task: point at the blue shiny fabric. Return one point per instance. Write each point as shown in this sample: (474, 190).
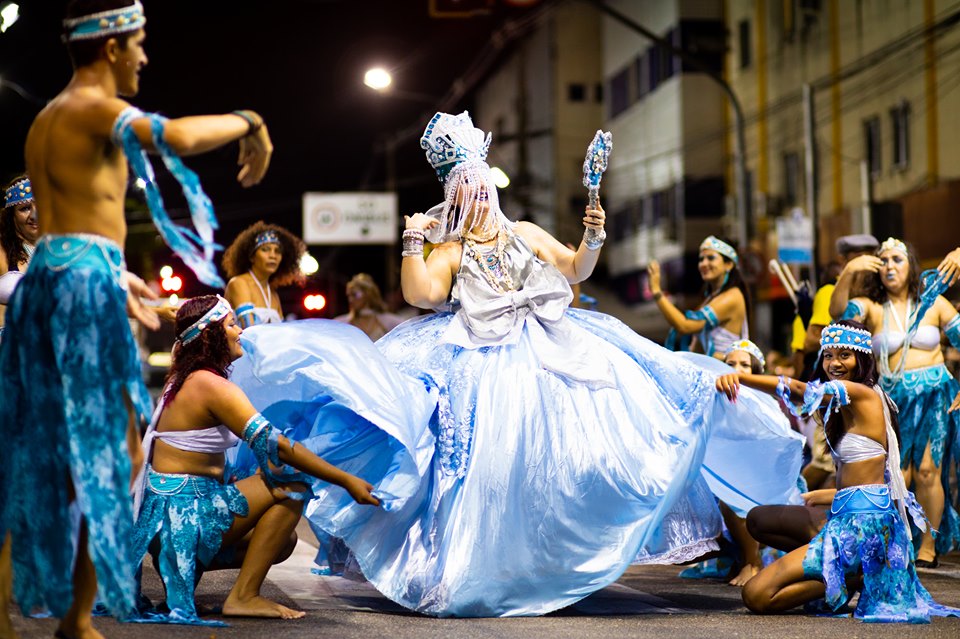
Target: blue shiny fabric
(557, 434)
(923, 396)
(189, 514)
(865, 534)
(753, 455)
(67, 360)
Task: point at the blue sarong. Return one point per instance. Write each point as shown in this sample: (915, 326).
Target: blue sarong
(189, 514)
(923, 396)
(67, 359)
(865, 533)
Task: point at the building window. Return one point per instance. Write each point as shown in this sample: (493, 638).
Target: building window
(619, 92)
(791, 178)
(642, 71)
(744, 31)
(576, 92)
(871, 145)
(598, 93)
(900, 121)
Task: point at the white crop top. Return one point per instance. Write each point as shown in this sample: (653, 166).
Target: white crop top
(926, 338)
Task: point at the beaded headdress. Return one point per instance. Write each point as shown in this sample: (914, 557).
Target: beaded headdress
(457, 151)
(839, 336)
(721, 247)
(19, 191)
(219, 311)
(105, 23)
(893, 244)
(749, 347)
(267, 237)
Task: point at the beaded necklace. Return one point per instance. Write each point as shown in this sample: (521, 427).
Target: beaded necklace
(492, 265)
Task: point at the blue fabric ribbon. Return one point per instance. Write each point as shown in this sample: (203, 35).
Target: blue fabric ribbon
(677, 342)
(195, 248)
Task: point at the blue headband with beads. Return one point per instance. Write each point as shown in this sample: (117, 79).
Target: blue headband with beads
(839, 336)
(721, 247)
(19, 191)
(105, 23)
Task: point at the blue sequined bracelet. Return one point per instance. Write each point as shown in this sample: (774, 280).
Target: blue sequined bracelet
(264, 440)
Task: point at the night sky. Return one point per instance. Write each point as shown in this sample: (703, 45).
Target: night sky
(300, 64)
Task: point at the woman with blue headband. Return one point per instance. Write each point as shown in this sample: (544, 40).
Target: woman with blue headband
(721, 318)
(908, 321)
(184, 501)
(867, 534)
(19, 233)
(262, 259)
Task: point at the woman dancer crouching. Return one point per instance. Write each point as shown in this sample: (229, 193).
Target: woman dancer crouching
(867, 532)
(188, 514)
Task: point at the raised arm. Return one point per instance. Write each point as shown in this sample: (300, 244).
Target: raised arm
(841, 293)
(576, 266)
(950, 267)
(674, 316)
(193, 134)
(230, 406)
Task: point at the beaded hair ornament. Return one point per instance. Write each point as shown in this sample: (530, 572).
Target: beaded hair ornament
(19, 191)
(104, 23)
(219, 311)
(721, 247)
(893, 244)
(457, 150)
(748, 347)
(837, 336)
(267, 237)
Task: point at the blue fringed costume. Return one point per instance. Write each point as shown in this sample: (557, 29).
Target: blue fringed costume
(67, 360)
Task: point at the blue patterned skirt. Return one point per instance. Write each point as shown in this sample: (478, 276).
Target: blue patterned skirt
(66, 361)
(189, 514)
(865, 534)
(923, 396)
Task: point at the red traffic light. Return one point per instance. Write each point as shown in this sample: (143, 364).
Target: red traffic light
(171, 284)
(314, 302)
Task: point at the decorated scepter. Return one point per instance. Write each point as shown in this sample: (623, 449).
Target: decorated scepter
(593, 167)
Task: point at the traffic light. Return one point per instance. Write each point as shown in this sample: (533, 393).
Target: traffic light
(168, 281)
(314, 302)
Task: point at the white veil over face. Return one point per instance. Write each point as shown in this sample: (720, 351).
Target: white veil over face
(457, 150)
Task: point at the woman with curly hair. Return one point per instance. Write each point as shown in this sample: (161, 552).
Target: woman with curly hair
(263, 258)
(906, 341)
(183, 500)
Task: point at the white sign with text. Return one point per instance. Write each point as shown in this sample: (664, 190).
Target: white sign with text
(350, 218)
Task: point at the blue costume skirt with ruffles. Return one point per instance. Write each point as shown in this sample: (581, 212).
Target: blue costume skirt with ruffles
(515, 479)
(923, 396)
(67, 360)
(188, 515)
(865, 534)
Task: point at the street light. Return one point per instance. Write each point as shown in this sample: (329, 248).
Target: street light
(9, 14)
(500, 179)
(377, 78)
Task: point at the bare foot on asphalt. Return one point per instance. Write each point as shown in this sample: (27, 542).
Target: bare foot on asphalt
(258, 607)
(746, 574)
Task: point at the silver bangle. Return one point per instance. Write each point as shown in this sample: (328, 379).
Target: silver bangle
(594, 238)
(412, 243)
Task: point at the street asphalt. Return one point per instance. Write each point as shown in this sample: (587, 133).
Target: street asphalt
(648, 601)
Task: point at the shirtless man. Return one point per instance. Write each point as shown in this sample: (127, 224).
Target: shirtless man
(68, 330)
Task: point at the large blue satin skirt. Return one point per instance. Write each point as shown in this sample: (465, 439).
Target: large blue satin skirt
(511, 486)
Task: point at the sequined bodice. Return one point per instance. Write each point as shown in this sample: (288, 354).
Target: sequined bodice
(519, 266)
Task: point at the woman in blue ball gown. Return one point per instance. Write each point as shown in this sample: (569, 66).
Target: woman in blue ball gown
(555, 447)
